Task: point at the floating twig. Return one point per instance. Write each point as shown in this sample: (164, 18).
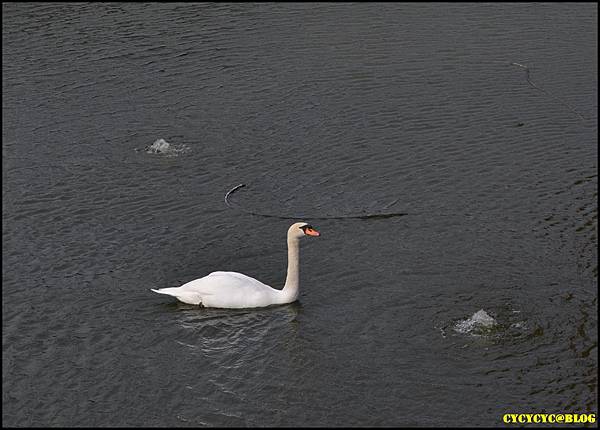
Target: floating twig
(355, 216)
(528, 77)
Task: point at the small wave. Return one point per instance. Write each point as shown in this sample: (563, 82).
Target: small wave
(162, 147)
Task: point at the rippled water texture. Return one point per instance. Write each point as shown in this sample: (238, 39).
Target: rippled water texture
(322, 110)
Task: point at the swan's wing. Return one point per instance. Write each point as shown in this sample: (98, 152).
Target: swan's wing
(231, 290)
(243, 278)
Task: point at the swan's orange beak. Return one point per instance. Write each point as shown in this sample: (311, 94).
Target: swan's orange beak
(312, 232)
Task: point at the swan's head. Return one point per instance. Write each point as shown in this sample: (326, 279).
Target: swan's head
(301, 229)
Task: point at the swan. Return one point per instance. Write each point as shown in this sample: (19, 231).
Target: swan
(235, 290)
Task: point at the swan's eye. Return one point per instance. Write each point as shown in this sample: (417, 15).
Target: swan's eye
(309, 230)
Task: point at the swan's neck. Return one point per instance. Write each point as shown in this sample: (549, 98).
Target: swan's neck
(292, 281)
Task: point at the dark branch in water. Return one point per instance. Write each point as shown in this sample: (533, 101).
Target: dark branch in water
(357, 216)
(528, 77)
(231, 191)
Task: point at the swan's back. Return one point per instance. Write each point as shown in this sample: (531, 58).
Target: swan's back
(224, 290)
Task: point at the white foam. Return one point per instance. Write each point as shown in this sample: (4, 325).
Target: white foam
(162, 147)
(480, 320)
(159, 146)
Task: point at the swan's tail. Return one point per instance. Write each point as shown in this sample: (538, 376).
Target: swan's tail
(167, 291)
(185, 296)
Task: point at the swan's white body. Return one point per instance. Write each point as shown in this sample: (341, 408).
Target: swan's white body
(236, 290)
(228, 290)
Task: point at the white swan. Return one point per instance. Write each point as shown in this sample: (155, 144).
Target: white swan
(235, 290)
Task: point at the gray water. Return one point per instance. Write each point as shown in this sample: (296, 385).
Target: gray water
(324, 111)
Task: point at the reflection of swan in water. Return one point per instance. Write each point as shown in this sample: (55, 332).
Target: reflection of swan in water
(235, 290)
(214, 318)
(230, 355)
(232, 338)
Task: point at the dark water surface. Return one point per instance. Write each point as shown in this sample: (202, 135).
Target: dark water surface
(323, 110)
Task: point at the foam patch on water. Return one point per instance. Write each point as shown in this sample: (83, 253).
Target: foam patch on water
(480, 323)
(158, 147)
(162, 147)
(504, 324)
